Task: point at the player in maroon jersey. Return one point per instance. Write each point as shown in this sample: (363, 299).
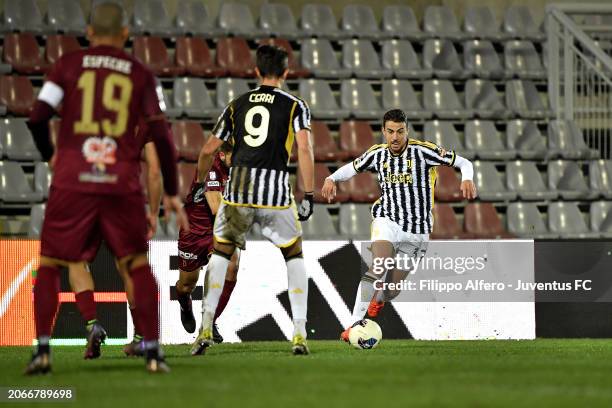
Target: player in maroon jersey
(196, 245)
(95, 194)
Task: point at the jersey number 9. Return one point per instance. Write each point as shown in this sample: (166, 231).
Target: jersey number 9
(257, 135)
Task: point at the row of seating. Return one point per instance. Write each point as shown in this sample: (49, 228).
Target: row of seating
(193, 17)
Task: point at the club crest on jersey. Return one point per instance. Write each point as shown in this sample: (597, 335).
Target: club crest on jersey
(212, 175)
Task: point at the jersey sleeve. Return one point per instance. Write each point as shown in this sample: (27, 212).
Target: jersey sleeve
(367, 161)
(225, 124)
(153, 103)
(301, 116)
(52, 91)
(436, 156)
(213, 180)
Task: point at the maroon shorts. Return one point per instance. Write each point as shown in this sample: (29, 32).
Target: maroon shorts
(194, 250)
(75, 224)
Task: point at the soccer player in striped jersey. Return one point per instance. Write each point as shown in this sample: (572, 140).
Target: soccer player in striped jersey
(402, 216)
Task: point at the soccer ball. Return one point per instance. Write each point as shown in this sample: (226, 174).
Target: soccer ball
(365, 334)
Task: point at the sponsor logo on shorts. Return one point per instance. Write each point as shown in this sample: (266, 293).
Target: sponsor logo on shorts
(187, 255)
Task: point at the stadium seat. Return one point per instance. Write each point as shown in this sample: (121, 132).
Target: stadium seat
(363, 188)
(237, 19)
(440, 97)
(481, 60)
(229, 89)
(58, 45)
(22, 53)
(482, 221)
(565, 139)
(523, 99)
(171, 110)
(445, 135)
(482, 97)
(522, 60)
(321, 172)
(400, 57)
(319, 226)
(441, 57)
(566, 220)
(325, 147)
(188, 138)
(355, 137)
(186, 172)
(194, 57)
(152, 52)
(518, 23)
(37, 216)
(400, 21)
(360, 57)
(318, 20)
(192, 17)
(151, 17)
(17, 140)
(355, 221)
(525, 137)
(525, 220)
(359, 21)
(23, 16)
(319, 57)
(234, 55)
(191, 97)
(524, 178)
(489, 183)
(600, 177)
(17, 94)
(14, 186)
(321, 100)
(66, 16)
(399, 94)
(277, 19)
(479, 22)
(42, 179)
(448, 185)
(482, 137)
(566, 177)
(295, 69)
(601, 218)
(445, 223)
(440, 21)
(358, 96)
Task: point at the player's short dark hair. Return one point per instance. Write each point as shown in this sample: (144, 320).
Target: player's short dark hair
(226, 147)
(271, 61)
(394, 115)
(107, 19)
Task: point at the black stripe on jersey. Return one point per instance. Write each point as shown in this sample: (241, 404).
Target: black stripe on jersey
(424, 190)
(256, 186)
(266, 187)
(281, 189)
(274, 184)
(393, 204)
(246, 183)
(414, 210)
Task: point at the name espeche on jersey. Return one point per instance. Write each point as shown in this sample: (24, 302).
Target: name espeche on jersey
(262, 125)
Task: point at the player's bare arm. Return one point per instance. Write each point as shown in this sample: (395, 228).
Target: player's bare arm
(468, 188)
(306, 168)
(154, 187)
(344, 173)
(207, 156)
(213, 198)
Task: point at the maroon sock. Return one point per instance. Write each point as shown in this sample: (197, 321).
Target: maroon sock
(46, 291)
(86, 304)
(145, 299)
(136, 321)
(228, 288)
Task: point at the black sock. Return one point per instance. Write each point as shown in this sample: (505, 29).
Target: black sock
(184, 300)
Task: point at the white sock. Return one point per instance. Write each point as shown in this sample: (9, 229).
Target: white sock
(215, 279)
(365, 291)
(298, 294)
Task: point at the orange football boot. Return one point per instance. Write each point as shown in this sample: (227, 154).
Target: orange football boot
(375, 307)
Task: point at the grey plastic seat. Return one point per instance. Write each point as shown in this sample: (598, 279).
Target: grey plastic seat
(444, 134)
(482, 97)
(566, 177)
(523, 99)
(192, 98)
(66, 16)
(525, 137)
(522, 60)
(399, 94)
(171, 110)
(14, 186)
(322, 102)
(480, 22)
(566, 220)
(17, 140)
(42, 178)
(525, 220)
(440, 97)
(490, 184)
(524, 178)
(237, 19)
(400, 21)
(358, 96)
(319, 57)
(192, 17)
(23, 15)
(601, 218)
(482, 137)
(359, 21)
(565, 139)
(360, 57)
(441, 57)
(600, 177)
(481, 60)
(518, 23)
(318, 20)
(440, 21)
(229, 89)
(354, 221)
(151, 16)
(277, 20)
(320, 225)
(37, 216)
(400, 57)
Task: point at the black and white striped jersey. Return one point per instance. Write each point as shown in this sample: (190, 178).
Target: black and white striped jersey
(261, 124)
(407, 181)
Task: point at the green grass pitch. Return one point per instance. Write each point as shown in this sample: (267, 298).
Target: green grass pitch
(540, 373)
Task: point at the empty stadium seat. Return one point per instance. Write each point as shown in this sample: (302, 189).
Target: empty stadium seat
(277, 19)
(325, 147)
(358, 96)
(188, 138)
(399, 94)
(359, 21)
(295, 69)
(318, 20)
(192, 17)
(601, 218)
(237, 19)
(319, 57)
(360, 57)
(525, 220)
(191, 97)
(448, 184)
(524, 178)
(518, 23)
(22, 53)
(229, 89)
(482, 97)
(523, 99)
(363, 188)
(479, 22)
(151, 17)
(440, 21)
(567, 178)
(489, 182)
(17, 94)
(565, 140)
(444, 134)
(194, 57)
(321, 172)
(355, 220)
(400, 57)
(17, 140)
(37, 216)
(321, 100)
(445, 223)
(600, 177)
(440, 97)
(482, 137)
(355, 137)
(42, 178)
(400, 21)
(58, 45)
(525, 137)
(566, 220)
(441, 57)
(319, 226)
(482, 221)
(522, 60)
(234, 55)
(186, 172)
(66, 16)
(23, 15)
(152, 52)
(14, 186)
(481, 59)
(171, 110)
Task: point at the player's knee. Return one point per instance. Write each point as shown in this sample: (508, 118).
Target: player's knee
(187, 281)
(293, 251)
(132, 262)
